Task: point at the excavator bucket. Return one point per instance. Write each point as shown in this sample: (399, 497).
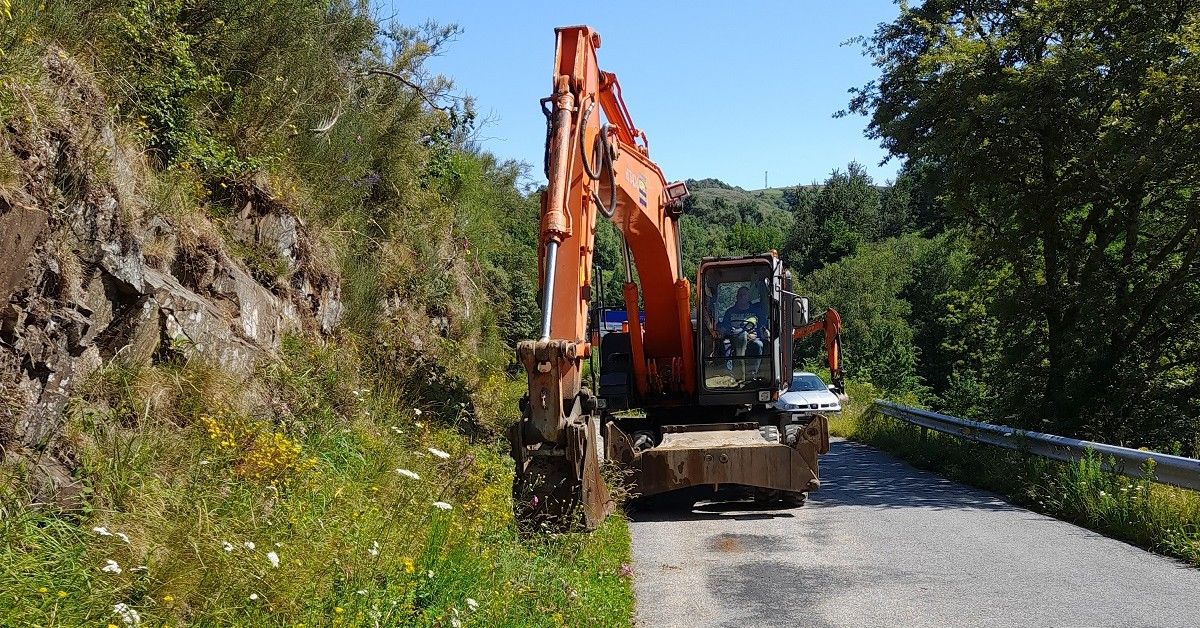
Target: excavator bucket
(724, 453)
(558, 489)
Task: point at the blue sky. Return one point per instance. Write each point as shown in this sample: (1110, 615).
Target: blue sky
(722, 89)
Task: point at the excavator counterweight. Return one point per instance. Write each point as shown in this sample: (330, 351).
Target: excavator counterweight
(703, 362)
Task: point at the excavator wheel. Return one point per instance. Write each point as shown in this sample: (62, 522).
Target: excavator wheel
(793, 498)
(791, 434)
(767, 496)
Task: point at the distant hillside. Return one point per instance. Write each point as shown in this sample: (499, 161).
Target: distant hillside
(715, 202)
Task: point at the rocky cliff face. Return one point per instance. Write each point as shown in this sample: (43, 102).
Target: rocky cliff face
(91, 272)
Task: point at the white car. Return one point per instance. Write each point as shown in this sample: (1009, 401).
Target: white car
(808, 394)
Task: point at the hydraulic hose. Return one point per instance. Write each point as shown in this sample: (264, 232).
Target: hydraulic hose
(604, 158)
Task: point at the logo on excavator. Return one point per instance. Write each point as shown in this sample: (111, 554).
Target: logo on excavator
(640, 182)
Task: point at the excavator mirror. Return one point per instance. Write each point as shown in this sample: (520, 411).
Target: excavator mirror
(800, 312)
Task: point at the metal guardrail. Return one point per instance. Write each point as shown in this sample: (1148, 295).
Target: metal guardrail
(1168, 469)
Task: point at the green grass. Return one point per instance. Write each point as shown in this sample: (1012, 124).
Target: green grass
(1155, 516)
(172, 461)
(301, 458)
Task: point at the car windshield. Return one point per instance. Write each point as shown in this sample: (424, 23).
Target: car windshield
(806, 383)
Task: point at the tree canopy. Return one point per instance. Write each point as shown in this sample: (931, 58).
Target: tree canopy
(1063, 136)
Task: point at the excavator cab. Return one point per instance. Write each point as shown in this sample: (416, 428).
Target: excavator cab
(744, 344)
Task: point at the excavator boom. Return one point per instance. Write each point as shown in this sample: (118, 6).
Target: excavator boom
(603, 169)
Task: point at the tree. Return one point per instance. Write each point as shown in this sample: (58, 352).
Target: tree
(895, 207)
(833, 222)
(749, 239)
(1064, 133)
(867, 289)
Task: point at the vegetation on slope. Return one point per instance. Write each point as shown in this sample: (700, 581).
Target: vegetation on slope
(333, 516)
(360, 477)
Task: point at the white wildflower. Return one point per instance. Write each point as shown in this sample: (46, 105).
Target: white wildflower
(396, 429)
(253, 597)
(472, 604)
(227, 546)
(374, 549)
(123, 537)
(248, 545)
(417, 411)
(361, 591)
(408, 474)
(274, 558)
(1102, 493)
(102, 531)
(430, 574)
(129, 616)
(278, 544)
(442, 505)
(455, 622)
(439, 453)
(111, 566)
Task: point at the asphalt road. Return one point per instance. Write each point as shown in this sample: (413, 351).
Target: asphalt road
(883, 544)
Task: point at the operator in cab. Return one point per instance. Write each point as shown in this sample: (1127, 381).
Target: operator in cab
(745, 324)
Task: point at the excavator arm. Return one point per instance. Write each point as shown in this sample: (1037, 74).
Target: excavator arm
(595, 169)
(830, 323)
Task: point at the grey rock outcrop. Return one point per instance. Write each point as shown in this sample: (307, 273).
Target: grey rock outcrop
(77, 289)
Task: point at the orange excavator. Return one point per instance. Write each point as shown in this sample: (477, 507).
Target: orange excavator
(686, 390)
